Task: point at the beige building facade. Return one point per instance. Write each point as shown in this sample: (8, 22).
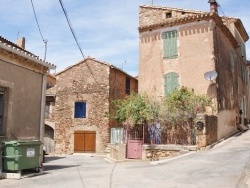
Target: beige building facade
(22, 93)
(83, 96)
(178, 46)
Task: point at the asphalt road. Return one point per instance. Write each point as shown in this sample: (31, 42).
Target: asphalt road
(224, 166)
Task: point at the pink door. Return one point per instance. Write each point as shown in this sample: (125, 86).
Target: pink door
(134, 149)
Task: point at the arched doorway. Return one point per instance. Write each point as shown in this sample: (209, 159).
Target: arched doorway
(49, 141)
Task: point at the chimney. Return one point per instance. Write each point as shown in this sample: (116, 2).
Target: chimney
(21, 42)
(213, 6)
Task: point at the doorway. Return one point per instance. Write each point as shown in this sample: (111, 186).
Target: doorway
(84, 141)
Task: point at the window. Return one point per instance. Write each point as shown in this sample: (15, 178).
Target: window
(2, 96)
(168, 15)
(170, 44)
(80, 110)
(244, 75)
(232, 59)
(243, 50)
(232, 90)
(171, 81)
(47, 110)
(127, 85)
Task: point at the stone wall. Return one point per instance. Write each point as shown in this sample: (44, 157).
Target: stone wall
(97, 84)
(149, 15)
(87, 81)
(118, 88)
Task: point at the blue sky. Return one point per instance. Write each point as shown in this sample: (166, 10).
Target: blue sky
(106, 29)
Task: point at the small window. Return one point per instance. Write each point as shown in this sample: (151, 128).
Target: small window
(80, 110)
(243, 50)
(47, 110)
(127, 85)
(244, 75)
(168, 15)
(232, 90)
(232, 59)
(2, 98)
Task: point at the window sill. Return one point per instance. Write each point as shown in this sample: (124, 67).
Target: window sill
(174, 57)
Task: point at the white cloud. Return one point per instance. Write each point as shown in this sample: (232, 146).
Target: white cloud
(106, 30)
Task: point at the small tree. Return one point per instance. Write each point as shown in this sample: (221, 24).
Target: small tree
(182, 104)
(177, 107)
(135, 109)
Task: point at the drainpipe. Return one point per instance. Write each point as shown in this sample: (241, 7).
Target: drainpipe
(42, 114)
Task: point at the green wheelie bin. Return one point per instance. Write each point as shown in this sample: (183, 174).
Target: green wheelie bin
(19, 155)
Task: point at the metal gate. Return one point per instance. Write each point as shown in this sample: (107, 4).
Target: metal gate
(134, 140)
(84, 141)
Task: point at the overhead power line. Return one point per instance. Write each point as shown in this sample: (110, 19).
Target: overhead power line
(44, 40)
(71, 28)
(74, 35)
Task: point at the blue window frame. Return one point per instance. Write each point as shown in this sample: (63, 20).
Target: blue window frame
(80, 110)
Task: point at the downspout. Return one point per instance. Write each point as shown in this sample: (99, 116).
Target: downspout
(42, 115)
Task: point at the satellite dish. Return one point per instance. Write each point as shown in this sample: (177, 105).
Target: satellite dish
(210, 75)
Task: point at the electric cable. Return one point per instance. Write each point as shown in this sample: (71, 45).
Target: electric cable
(74, 35)
(44, 40)
(71, 28)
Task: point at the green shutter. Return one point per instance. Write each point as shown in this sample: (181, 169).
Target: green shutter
(169, 44)
(232, 90)
(232, 59)
(171, 81)
(243, 50)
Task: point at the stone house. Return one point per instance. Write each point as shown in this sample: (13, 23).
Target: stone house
(22, 92)
(81, 103)
(179, 47)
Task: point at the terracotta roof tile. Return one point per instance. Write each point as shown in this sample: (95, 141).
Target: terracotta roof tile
(13, 47)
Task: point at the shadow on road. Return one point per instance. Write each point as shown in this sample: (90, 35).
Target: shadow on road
(52, 158)
(58, 167)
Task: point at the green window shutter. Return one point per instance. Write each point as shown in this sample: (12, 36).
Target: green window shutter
(232, 59)
(232, 90)
(243, 50)
(170, 44)
(171, 81)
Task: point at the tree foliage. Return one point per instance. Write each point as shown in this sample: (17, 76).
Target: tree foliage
(177, 107)
(182, 104)
(135, 109)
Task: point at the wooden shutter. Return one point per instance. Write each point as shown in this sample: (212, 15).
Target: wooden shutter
(171, 81)
(169, 44)
(232, 59)
(243, 50)
(80, 110)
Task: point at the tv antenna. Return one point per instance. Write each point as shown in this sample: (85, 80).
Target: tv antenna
(210, 75)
